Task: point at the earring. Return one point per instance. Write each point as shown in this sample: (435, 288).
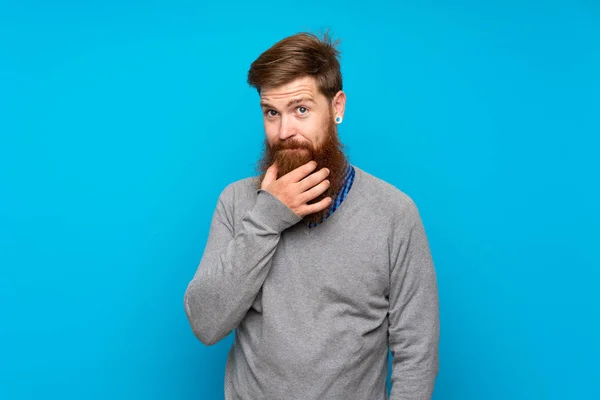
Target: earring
(338, 120)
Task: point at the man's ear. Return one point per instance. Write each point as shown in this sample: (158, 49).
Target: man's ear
(339, 104)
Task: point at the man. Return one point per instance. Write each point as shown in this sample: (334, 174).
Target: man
(319, 266)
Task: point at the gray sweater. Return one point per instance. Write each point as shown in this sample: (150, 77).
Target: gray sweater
(316, 309)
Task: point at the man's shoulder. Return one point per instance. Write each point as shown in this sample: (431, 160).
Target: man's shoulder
(244, 188)
(392, 203)
(385, 194)
(248, 184)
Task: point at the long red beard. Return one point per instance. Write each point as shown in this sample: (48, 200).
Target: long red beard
(329, 155)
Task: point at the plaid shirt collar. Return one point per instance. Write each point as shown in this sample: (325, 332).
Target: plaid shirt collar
(340, 196)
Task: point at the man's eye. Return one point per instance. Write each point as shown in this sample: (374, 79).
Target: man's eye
(302, 110)
(271, 113)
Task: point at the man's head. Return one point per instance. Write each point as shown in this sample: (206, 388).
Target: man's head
(300, 86)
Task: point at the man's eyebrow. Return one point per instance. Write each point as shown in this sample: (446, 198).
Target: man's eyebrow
(264, 103)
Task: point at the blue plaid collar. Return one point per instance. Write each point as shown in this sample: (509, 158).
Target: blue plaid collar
(340, 196)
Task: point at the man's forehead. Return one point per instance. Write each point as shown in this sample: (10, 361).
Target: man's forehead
(299, 88)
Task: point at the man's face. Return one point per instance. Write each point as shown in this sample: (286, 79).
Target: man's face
(296, 115)
(299, 127)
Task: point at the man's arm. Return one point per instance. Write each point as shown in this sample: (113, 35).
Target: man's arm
(413, 316)
(234, 265)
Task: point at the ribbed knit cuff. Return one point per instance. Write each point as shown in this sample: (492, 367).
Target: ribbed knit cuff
(271, 211)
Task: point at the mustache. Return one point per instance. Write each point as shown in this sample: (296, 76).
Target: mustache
(290, 146)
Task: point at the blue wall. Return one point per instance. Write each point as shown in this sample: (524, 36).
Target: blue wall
(121, 123)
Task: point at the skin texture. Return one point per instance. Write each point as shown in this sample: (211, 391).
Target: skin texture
(299, 123)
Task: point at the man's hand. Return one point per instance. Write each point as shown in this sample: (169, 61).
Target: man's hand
(295, 188)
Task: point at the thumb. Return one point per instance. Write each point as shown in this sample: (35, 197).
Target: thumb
(270, 176)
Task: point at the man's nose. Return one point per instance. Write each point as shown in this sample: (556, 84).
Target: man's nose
(286, 128)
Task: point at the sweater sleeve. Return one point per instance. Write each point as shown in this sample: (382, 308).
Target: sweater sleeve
(413, 316)
(234, 264)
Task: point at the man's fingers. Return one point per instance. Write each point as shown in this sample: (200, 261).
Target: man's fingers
(313, 179)
(313, 208)
(315, 191)
(270, 176)
(300, 172)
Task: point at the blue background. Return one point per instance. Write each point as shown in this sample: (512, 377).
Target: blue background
(120, 123)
